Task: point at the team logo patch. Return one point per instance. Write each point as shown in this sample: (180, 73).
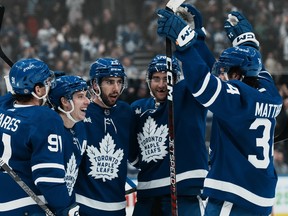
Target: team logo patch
(105, 161)
(71, 174)
(152, 141)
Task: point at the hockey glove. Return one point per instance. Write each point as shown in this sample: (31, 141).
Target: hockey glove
(193, 17)
(239, 30)
(176, 29)
(72, 210)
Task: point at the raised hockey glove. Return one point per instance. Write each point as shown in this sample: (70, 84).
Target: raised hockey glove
(239, 30)
(194, 18)
(176, 29)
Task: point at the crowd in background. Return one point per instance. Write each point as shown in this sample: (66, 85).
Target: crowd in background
(70, 34)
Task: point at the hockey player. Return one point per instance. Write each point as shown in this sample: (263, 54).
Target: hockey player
(31, 144)
(242, 178)
(69, 100)
(100, 187)
(151, 142)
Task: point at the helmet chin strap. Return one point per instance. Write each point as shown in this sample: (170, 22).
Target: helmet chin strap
(44, 97)
(98, 95)
(68, 113)
(151, 93)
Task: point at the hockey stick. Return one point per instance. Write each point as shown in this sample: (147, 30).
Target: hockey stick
(131, 184)
(5, 166)
(25, 187)
(132, 190)
(172, 5)
(2, 54)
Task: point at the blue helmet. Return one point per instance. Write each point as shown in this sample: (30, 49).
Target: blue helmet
(107, 67)
(159, 64)
(66, 86)
(248, 59)
(25, 74)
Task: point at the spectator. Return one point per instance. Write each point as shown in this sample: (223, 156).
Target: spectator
(130, 37)
(279, 161)
(273, 65)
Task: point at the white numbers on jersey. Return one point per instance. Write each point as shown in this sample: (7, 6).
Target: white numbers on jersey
(55, 143)
(7, 152)
(262, 142)
(232, 89)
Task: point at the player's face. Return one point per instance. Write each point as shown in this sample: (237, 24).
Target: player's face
(223, 76)
(158, 85)
(81, 103)
(111, 88)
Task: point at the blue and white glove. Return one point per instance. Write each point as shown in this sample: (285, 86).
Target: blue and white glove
(72, 210)
(239, 30)
(194, 18)
(176, 29)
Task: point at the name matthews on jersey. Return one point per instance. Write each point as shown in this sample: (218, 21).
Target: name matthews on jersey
(267, 110)
(9, 123)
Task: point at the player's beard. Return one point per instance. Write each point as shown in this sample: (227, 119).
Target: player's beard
(108, 102)
(161, 96)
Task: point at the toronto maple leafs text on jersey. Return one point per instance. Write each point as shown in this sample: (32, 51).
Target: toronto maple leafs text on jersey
(151, 140)
(100, 186)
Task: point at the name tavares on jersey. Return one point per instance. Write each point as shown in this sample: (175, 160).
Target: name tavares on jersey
(8, 122)
(267, 110)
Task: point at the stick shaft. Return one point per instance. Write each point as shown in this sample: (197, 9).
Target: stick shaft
(132, 185)
(173, 188)
(172, 5)
(2, 54)
(25, 187)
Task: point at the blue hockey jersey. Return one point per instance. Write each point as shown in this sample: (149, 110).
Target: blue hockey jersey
(100, 187)
(75, 145)
(31, 144)
(6, 101)
(151, 144)
(241, 143)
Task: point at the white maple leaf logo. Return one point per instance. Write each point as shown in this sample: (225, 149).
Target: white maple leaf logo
(138, 111)
(105, 162)
(152, 141)
(71, 174)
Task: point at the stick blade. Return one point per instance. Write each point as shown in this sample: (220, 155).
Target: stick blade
(174, 4)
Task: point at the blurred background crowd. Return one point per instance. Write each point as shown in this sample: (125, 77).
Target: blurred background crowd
(70, 34)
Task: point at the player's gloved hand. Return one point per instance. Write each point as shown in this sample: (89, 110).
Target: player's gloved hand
(239, 30)
(194, 18)
(72, 210)
(176, 29)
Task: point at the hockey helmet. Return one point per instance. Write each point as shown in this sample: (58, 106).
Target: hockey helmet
(158, 64)
(107, 67)
(25, 74)
(248, 59)
(66, 86)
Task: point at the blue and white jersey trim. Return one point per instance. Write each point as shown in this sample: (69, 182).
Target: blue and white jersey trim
(105, 206)
(200, 173)
(239, 191)
(48, 165)
(19, 203)
(203, 88)
(48, 179)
